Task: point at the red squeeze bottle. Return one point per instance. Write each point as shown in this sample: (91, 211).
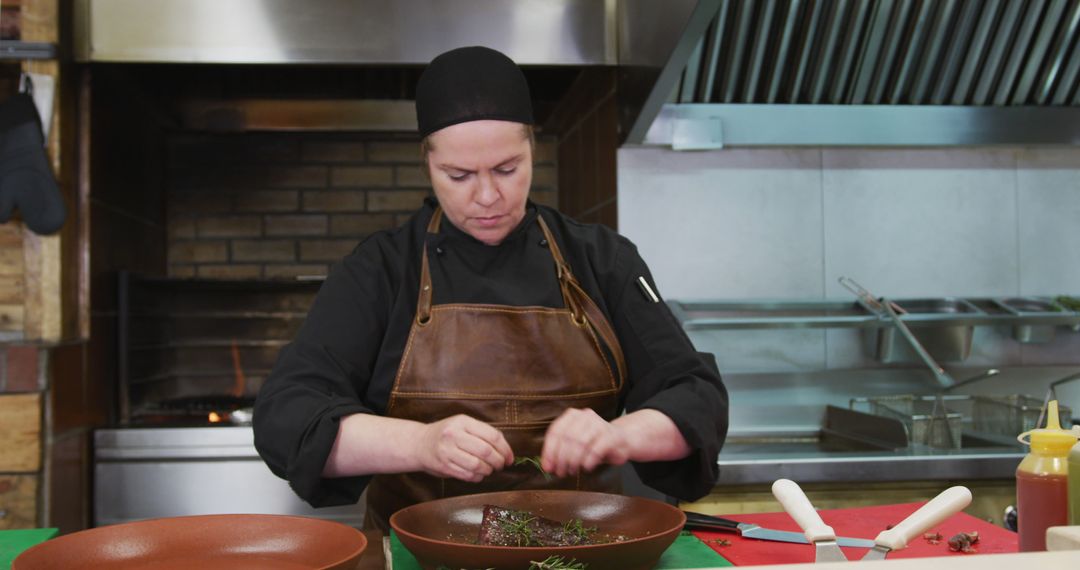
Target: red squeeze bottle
(1042, 499)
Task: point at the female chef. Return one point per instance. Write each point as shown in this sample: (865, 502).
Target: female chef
(487, 329)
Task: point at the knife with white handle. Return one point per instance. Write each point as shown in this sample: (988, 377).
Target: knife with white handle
(941, 507)
(749, 530)
(821, 535)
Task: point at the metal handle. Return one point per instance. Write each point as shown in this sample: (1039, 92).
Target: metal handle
(702, 521)
(889, 309)
(796, 504)
(868, 299)
(941, 507)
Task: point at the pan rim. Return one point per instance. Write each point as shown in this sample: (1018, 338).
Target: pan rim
(469, 546)
(89, 534)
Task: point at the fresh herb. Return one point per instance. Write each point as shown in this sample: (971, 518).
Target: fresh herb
(578, 531)
(557, 563)
(535, 462)
(516, 526)
(1070, 303)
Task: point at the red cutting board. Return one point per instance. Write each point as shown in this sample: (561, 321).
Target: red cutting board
(862, 522)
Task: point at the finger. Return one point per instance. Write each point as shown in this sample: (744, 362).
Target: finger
(483, 451)
(458, 472)
(553, 441)
(570, 451)
(592, 460)
(494, 438)
(470, 463)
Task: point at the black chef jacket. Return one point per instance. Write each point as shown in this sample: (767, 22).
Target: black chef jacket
(346, 355)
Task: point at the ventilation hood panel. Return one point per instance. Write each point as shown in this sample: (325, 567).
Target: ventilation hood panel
(368, 32)
(867, 72)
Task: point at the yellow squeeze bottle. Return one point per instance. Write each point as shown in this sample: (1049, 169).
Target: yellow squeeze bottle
(1041, 482)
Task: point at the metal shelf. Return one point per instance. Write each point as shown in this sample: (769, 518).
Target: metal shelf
(19, 50)
(784, 314)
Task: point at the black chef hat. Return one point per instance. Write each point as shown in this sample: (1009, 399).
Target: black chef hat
(471, 84)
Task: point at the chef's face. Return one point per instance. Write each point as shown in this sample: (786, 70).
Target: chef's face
(481, 172)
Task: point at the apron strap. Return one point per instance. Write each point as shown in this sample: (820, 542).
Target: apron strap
(581, 305)
(423, 303)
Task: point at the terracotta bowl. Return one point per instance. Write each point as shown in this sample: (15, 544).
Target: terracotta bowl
(438, 532)
(266, 542)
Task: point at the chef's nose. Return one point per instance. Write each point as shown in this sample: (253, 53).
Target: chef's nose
(487, 193)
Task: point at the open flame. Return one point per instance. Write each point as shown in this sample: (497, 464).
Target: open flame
(214, 417)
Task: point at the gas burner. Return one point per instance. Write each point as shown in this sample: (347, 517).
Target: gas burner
(198, 410)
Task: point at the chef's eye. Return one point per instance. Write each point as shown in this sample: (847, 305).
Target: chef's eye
(506, 171)
(458, 177)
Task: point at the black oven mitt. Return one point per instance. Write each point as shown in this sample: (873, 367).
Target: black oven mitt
(26, 181)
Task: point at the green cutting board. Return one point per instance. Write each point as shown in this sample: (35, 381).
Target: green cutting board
(686, 552)
(14, 542)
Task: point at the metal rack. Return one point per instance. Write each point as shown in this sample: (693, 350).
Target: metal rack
(181, 338)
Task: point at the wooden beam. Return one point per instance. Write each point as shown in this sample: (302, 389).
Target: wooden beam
(43, 314)
(20, 422)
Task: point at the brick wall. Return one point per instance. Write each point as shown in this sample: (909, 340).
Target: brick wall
(281, 205)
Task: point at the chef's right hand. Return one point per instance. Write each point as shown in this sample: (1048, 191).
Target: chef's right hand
(463, 448)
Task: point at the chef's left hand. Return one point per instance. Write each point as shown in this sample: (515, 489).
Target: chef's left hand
(580, 440)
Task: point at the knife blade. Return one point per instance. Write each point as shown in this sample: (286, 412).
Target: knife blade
(747, 530)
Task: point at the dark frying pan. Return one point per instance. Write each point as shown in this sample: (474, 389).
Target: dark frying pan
(437, 532)
(265, 542)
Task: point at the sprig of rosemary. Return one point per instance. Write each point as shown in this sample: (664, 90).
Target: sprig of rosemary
(549, 563)
(518, 528)
(579, 531)
(535, 462)
(557, 563)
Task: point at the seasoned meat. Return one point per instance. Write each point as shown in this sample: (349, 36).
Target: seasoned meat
(964, 542)
(508, 527)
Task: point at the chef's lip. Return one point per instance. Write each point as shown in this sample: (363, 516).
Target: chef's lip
(488, 219)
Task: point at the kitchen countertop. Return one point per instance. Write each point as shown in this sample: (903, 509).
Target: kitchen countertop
(1062, 560)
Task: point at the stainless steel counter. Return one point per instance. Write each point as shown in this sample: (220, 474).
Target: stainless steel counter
(142, 473)
(743, 467)
(777, 421)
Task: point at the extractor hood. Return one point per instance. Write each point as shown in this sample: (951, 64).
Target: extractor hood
(864, 72)
(360, 32)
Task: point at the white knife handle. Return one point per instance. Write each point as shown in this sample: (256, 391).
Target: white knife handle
(941, 507)
(796, 504)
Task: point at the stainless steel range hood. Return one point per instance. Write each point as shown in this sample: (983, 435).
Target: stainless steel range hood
(362, 32)
(865, 72)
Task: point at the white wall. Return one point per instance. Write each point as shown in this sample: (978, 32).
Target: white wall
(785, 223)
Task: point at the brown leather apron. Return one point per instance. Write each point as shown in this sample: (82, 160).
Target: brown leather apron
(516, 368)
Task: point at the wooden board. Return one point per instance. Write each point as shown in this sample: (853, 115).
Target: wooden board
(11, 289)
(18, 500)
(11, 317)
(20, 422)
(43, 318)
